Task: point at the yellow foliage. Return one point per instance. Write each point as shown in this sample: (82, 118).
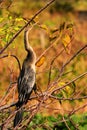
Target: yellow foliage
(41, 61)
(43, 26)
(68, 90)
(66, 40)
(66, 43)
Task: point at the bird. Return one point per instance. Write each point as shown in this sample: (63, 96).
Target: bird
(26, 80)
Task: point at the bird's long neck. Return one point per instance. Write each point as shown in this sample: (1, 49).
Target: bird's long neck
(31, 56)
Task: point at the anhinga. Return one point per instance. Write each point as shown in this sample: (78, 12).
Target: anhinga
(26, 79)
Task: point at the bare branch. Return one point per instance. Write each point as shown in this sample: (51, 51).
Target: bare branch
(74, 55)
(79, 108)
(80, 76)
(10, 86)
(62, 69)
(6, 55)
(56, 41)
(7, 106)
(70, 99)
(66, 124)
(49, 78)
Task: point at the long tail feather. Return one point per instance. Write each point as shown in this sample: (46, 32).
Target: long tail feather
(18, 117)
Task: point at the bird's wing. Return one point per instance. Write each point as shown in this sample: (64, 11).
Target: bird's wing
(26, 82)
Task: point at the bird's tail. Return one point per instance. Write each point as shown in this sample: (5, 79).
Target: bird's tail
(18, 117)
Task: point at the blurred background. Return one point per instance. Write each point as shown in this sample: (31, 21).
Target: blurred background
(14, 14)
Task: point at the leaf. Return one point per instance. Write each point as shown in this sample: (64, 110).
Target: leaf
(68, 90)
(1, 19)
(43, 26)
(18, 19)
(41, 61)
(62, 90)
(7, 37)
(1, 29)
(10, 17)
(16, 28)
(66, 42)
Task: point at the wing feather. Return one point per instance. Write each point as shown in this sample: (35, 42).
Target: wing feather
(26, 83)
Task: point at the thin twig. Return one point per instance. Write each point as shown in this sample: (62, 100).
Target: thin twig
(62, 68)
(66, 123)
(7, 55)
(70, 99)
(74, 111)
(8, 106)
(10, 86)
(74, 125)
(56, 41)
(80, 76)
(49, 78)
(74, 55)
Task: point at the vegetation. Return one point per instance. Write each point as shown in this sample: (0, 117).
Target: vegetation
(59, 122)
(58, 35)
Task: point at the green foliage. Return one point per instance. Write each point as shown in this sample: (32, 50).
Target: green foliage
(37, 120)
(41, 122)
(9, 25)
